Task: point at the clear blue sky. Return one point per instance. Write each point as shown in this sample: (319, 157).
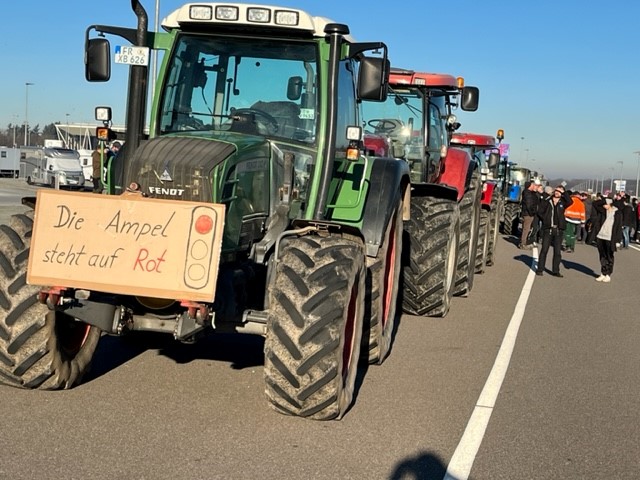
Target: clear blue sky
(563, 74)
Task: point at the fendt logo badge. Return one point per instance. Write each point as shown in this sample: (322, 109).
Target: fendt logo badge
(166, 176)
(174, 192)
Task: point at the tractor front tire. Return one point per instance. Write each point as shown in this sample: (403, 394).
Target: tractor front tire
(470, 207)
(431, 251)
(314, 330)
(39, 348)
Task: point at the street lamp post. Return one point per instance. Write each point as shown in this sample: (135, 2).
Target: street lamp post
(27, 138)
(611, 185)
(521, 148)
(67, 140)
(15, 122)
(621, 165)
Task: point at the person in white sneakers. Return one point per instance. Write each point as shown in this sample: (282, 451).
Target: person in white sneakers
(610, 212)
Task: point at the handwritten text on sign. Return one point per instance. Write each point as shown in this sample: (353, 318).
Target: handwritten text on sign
(126, 244)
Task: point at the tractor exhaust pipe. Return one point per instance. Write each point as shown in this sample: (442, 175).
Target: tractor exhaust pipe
(138, 79)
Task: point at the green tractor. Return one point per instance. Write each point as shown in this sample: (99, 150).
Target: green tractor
(249, 207)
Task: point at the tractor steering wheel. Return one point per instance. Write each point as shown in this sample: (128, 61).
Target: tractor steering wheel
(383, 125)
(269, 122)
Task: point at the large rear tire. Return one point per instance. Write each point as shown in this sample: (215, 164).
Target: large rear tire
(314, 332)
(39, 348)
(497, 210)
(469, 220)
(432, 245)
(484, 238)
(383, 278)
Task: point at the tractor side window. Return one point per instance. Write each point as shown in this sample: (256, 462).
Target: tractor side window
(347, 106)
(436, 127)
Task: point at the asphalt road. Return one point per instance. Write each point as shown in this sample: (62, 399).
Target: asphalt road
(11, 191)
(567, 408)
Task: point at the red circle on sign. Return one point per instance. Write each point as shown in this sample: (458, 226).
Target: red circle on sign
(204, 224)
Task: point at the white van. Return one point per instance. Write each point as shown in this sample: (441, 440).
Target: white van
(52, 166)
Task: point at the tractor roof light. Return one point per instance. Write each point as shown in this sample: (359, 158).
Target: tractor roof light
(241, 13)
(287, 17)
(227, 13)
(258, 15)
(200, 12)
(460, 81)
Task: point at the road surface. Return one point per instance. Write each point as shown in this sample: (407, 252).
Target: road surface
(561, 401)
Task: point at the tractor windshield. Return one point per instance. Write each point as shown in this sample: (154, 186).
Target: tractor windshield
(232, 84)
(400, 119)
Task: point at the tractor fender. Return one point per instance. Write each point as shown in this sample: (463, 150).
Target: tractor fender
(435, 190)
(487, 194)
(457, 171)
(388, 182)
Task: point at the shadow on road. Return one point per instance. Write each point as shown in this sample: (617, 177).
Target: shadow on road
(240, 351)
(569, 265)
(424, 466)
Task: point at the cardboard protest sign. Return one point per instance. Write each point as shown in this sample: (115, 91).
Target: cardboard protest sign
(126, 244)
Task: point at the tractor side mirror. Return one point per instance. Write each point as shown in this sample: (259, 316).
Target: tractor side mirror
(97, 60)
(294, 88)
(470, 99)
(373, 78)
(494, 159)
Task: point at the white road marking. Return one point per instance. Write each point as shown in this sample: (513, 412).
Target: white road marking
(635, 247)
(461, 462)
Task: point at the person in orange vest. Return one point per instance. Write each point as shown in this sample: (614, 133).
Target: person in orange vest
(575, 215)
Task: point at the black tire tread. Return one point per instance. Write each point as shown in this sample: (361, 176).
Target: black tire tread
(484, 237)
(30, 356)
(497, 211)
(304, 344)
(434, 224)
(469, 220)
(511, 218)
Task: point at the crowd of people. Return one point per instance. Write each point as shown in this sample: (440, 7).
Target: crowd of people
(558, 218)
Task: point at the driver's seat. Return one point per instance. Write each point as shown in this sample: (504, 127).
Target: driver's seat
(287, 114)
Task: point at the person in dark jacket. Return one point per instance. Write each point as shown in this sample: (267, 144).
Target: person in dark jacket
(628, 221)
(529, 210)
(593, 224)
(551, 213)
(610, 232)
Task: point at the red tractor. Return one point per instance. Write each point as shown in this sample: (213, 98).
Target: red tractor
(484, 149)
(415, 124)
